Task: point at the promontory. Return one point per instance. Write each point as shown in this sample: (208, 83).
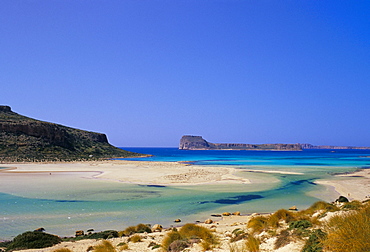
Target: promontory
(23, 139)
(188, 142)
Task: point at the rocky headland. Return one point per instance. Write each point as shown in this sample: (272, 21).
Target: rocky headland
(188, 142)
(198, 143)
(23, 139)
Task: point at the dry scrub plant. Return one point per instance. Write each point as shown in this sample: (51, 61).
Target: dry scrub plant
(104, 246)
(349, 231)
(188, 234)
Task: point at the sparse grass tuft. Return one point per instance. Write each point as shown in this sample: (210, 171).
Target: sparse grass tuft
(104, 246)
(135, 238)
(282, 239)
(140, 228)
(62, 250)
(188, 234)
(258, 224)
(252, 244)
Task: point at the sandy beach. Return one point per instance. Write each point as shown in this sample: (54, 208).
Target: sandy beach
(355, 186)
(136, 172)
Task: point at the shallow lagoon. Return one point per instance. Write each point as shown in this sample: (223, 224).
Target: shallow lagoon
(65, 202)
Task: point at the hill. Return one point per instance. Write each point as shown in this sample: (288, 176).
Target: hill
(26, 139)
(198, 143)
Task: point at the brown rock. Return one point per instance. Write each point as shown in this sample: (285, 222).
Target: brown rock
(226, 214)
(157, 228)
(80, 233)
(208, 221)
(293, 208)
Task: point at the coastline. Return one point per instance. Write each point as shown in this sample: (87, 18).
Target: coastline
(135, 172)
(354, 186)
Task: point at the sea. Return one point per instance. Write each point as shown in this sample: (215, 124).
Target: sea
(75, 201)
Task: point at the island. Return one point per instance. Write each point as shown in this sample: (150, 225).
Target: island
(188, 142)
(23, 139)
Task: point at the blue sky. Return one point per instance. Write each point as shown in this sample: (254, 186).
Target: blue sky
(147, 72)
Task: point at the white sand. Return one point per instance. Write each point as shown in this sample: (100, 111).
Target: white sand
(354, 186)
(137, 172)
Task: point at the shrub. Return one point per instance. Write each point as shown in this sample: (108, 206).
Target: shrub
(320, 205)
(353, 205)
(314, 242)
(32, 239)
(104, 246)
(123, 246)
(258, 224)
(349, 232)
(300, 224)
(135, 238)
(188, 234)
(101, 235)
(238, 235)
(285, 215)
(252, 244)
(282, 239)
(129, 231)
(178, 245)
(140, 228)
(169, 238)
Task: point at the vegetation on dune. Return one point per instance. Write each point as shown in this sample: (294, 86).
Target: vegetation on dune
(33, 240)
(349, 232)
(140, 228)
(187, 235)
(104, 246)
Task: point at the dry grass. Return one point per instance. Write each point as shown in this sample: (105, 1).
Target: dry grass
(252, 244)
(135, 238)
(62, 250)
(104, 246)
(349, 232)
(258, 224)
(317, 206)
(140, 228)
(188, 234)
(282, 239)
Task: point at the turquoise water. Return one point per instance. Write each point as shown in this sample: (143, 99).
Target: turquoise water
(68, 202)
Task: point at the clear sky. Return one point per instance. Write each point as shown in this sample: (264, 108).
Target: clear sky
(146, 72)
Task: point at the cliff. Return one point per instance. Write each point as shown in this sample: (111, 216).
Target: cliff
(26, 139)
(198, 143)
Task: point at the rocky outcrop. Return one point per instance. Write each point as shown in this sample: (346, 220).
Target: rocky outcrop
(26, 139)
(332, 147)
(198, 143)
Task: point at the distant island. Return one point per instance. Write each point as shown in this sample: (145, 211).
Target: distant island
(189, 142)
(23, 139)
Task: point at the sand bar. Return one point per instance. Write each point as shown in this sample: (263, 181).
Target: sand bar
(136, 172)
(354, 186)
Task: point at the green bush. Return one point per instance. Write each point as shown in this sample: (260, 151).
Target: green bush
(300, 224)
(32, 239)
(102, 235)
(314, 242)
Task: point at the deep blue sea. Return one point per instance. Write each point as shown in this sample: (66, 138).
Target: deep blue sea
(279, 179)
